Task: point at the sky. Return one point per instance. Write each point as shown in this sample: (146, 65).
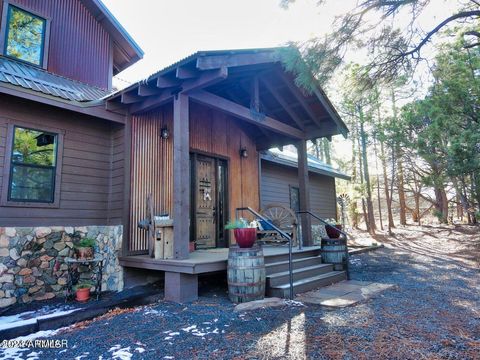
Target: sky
(169, 30)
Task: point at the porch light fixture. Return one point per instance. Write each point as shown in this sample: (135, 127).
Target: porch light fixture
(164, 133)
(243, 152)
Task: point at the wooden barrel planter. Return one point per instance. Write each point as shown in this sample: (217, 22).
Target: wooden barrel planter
(246, 274)
(334, 252)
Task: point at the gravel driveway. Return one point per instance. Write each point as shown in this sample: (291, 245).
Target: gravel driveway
(433, 312)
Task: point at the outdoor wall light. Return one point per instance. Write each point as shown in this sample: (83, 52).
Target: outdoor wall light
(164, 133)
(243, 153)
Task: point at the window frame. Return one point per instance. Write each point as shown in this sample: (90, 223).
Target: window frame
(8, 164)
(297, 189)
(4, 29)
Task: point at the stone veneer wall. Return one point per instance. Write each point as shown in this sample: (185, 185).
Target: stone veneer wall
(32, 263)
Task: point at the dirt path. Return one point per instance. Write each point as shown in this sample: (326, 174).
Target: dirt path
(433, 312)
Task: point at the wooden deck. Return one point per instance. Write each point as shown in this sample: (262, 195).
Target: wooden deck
(201, 261)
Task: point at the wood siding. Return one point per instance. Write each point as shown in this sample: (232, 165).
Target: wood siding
(212, 133)
(79, 47)
(275, 189)
(151, 171)
(92, 167)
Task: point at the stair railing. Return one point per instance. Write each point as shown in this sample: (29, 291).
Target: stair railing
(345, 236)
(282, 233)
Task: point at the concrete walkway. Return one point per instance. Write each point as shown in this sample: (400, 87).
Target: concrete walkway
(344, 293)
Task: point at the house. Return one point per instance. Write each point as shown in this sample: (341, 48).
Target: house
(78, 160)
(279, 182)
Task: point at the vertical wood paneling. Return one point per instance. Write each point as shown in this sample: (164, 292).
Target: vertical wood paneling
(211, 132)
(79, 47)
(152, 169)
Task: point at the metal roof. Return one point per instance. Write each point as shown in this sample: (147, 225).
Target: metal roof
(36, 79)
(289, 158)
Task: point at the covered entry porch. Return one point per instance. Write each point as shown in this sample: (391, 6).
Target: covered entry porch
(210, 109)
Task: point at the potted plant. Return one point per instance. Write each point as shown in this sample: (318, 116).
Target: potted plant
(245, 235)
(82, 291)
(332, 231)
(84, 248)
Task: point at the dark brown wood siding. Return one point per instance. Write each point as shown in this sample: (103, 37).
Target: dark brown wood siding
(92, 167)
(212, 133)
(79, 47)
(277, 179)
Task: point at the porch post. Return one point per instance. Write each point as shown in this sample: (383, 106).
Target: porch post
(181, 177)
(304, 188)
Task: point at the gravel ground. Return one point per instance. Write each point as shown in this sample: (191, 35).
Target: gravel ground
(433, 312)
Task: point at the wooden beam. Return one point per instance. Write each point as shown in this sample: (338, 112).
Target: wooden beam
(284, 103)
(127, 146)
(300, 98)
(244, 113)
(304, 189)
(181, 177)
(152, 102)
(331, 111)
(231, 60)
(206, 79)
(116, 107)
(128, 98)
(146, 90)
(164, 82)
(186, 73)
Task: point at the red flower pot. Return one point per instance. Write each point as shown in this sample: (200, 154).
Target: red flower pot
(83, 294)
(245, 237)
(332, 232)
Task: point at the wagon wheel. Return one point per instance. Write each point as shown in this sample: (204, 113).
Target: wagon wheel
(282, 217)
(151, 225)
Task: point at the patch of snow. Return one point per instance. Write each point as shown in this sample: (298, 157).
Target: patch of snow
(294, 303)
(139, 350)
(12, 353)
(10, 325)
(190, 328)
(85, 354)
(57, 313)
(119, 353)
(168, 357)
(17, 317)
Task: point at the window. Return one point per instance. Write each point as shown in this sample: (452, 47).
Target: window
(294, 198)
(24, 36)
(32, 166)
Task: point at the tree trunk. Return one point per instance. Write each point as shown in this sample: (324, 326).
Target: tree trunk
(326, 151)
(383, 158)
(378, 184)
(400, 180)
(441, 204)
(360, 169)
(353, 204)
(371, 216)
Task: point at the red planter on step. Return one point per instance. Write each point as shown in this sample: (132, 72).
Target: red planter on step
(245, 237)
(332, 232)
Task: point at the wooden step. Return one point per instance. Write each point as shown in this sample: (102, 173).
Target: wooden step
(307, 284)
(296, 254)
(281, 266)
(298, 274)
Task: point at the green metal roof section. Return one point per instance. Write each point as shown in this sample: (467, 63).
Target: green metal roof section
(33, 78)
(290, 159)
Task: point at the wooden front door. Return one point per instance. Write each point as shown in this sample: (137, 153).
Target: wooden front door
(209, 201)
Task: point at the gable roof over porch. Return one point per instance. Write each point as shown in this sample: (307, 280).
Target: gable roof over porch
(249, 84)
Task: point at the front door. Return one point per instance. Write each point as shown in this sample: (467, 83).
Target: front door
(209, 201)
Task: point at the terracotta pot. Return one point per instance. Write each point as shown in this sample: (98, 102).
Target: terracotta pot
(83, 294)
(191, 246)
(84, 252)
(333, 233)
(245, 237)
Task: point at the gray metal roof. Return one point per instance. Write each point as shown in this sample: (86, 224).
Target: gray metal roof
(30, 77)
(289, 158)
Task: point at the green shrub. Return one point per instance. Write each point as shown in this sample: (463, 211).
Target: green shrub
(83, 285)
(236, 224)
(85, 242)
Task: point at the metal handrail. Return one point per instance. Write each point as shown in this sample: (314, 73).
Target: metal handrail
(347, 269)
(282, 233)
